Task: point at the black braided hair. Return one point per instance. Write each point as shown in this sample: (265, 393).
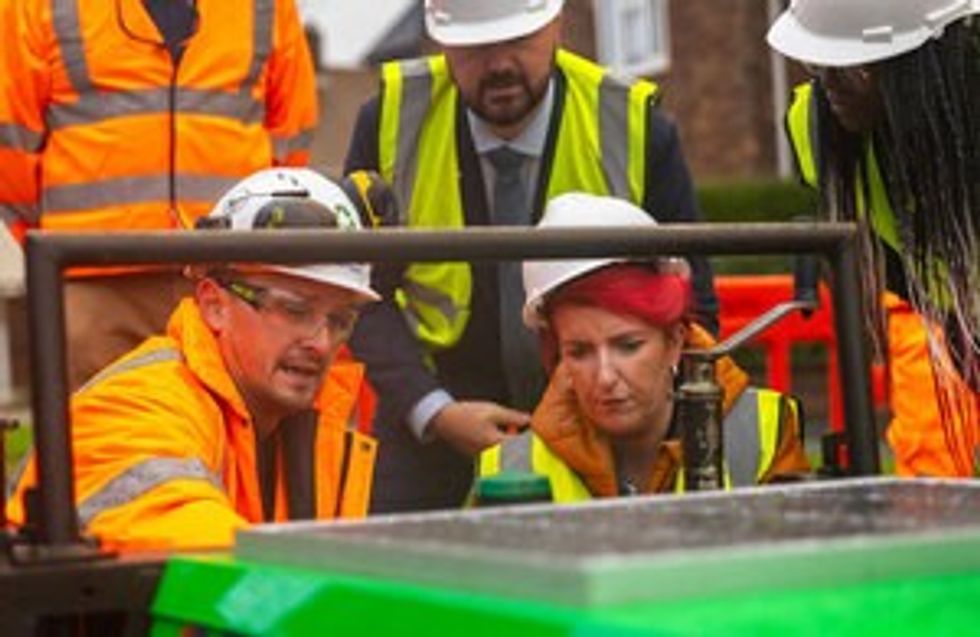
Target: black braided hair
(927, 143)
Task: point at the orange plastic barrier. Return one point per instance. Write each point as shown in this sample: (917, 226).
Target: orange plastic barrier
(744, 298)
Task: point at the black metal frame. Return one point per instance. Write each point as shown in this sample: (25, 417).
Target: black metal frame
(101, 597)
(48, 255)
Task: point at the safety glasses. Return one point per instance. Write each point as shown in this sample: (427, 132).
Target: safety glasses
(291, 311)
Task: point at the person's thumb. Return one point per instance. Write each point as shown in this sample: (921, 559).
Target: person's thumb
(512, 421)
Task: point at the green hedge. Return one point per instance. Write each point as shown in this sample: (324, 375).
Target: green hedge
(755, 201)
(768, 200)
(17, 444)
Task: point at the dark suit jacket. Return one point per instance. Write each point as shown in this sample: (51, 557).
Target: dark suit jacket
(472, 369)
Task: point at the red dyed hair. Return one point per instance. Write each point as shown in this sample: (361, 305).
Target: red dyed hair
(658, 298)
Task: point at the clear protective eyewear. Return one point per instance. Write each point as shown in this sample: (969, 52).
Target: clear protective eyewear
(294, 312)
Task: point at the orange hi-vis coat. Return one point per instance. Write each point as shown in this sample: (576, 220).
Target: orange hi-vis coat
(165, 453)
(921, 444)
(99, 130)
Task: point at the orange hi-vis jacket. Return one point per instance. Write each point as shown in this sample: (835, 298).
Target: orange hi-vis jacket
(165, 452)
(100, 130)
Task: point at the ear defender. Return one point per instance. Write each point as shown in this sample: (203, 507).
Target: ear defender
(373, 197)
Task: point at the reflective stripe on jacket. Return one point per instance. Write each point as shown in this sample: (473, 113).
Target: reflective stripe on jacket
(752, 430)
(802, 126)
(600, 148)
(99, 129)
(165, 454)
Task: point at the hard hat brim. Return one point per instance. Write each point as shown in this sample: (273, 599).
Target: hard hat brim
(490, 31)
(791, 38)
(345, 276)
(565, 272)
(251, 206)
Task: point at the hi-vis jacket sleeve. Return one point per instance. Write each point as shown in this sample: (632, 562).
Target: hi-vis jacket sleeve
(291, 92)
(23, 95)
(147, 474)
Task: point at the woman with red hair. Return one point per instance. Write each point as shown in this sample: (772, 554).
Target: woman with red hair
(612, 334)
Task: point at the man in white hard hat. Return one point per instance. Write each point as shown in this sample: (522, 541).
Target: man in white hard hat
(484, 134)
(239, 413)
(889, 130)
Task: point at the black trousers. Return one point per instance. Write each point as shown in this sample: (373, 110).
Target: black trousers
(414, 476)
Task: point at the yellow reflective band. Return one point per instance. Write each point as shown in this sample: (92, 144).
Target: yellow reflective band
(488, 462)
(770, 404)
(800, 129)
(642, 95)
(391, 77)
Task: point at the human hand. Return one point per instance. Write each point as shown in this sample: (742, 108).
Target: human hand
(472, 426)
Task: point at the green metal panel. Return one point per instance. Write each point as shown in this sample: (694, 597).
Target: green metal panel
(605, 552)
(871, 557)
(232, 596)
(253, 599)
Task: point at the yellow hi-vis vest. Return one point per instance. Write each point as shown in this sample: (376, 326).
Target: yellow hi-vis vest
(751, 438)
(802, 127)
(600, 148)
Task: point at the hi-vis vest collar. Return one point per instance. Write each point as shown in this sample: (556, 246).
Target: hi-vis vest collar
(803, 128)
(751, 434)
(600, 148)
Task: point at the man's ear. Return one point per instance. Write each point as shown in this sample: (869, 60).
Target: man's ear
(558, 25)
(212, 303)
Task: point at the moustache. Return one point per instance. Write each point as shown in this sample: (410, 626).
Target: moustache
(310, 364)
(501, 80)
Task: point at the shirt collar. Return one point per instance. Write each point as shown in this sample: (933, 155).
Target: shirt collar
(530, 141)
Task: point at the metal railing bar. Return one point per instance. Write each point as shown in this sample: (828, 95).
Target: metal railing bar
(49, 254)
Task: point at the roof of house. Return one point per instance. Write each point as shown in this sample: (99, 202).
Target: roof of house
(354, 34)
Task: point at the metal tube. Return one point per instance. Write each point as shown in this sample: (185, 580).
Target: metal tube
(52, 435)
(49, 254)
(852, 352)
(471, 244)
(780, 95)
(698, 405)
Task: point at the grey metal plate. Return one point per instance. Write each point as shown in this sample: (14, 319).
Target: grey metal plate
(657, 547)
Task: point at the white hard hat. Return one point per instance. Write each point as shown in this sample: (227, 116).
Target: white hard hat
(851, 32)
(581, 210)
(294, 198)
(474, 22)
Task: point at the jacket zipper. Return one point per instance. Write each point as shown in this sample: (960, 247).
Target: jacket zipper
(344, 471)
(172, 168)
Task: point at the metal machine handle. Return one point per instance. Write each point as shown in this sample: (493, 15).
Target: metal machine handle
(698, 399)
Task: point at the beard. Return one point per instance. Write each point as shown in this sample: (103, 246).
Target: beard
(505, 99)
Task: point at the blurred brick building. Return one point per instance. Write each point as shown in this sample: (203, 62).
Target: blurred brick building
(720, 82)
